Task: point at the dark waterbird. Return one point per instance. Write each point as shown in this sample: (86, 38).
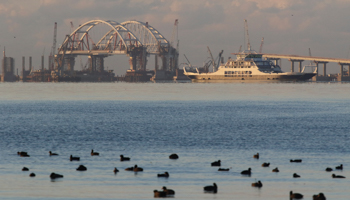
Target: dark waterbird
(32, 175)
(340, 167)
(328, 169)
(54, 175)
(211, 188)
(71, 158)
(159, 193)
(337, 176)
(122, 158)
(166, 175)
(81, 168)
(256, 156)
(320, 196)
(173, 156)
(257, 184)
(168, 191)
(216, 163)
(265, 165)
(276, 170)
(23, 154)
(53, 154)
(94, 153)
(295, 175)
(135, 169)
(296, 160)
(295, 195)
(224, 169)
(115, 170)
(25, 169)
(247, 172)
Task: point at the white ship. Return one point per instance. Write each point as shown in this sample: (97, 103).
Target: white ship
(249, 66)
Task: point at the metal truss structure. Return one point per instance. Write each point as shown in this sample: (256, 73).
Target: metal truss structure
(133, 38)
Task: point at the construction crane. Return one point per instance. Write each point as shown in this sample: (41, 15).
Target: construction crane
(261, 45)
(215, 67)
(212, 59)
(247, 34)
(174, 36)
(53, 50)
(175, 32)
(189, 63)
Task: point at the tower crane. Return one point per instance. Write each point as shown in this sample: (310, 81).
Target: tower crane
(53, 50)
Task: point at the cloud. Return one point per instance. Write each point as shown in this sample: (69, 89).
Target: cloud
(287, 25)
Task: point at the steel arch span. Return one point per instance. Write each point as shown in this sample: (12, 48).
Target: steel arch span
(118, 40)
(115, 41)
(133, 38)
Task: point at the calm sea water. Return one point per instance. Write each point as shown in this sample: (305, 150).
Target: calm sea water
(202, 123)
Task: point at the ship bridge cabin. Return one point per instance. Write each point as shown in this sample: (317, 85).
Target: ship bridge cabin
(250, 59)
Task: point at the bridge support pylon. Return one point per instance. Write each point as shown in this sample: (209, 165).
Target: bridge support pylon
(292, 64)
(96, 63)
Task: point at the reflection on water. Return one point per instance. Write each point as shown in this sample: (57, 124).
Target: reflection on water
(147, 122)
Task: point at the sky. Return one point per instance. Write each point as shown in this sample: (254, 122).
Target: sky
(288, 26)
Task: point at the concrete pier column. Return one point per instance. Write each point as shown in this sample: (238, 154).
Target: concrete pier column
(164, 62)
(42, 63)
(341, 70)
(300, 65)
(292, 66)
(23, 68)
(156, 62)
(316, 68)
(3, 74)
(100, 66)
(132, 62)
(348, 70)
(92, 63)
(23, 65)
(70, 63)
(42, 69)
(324, 69)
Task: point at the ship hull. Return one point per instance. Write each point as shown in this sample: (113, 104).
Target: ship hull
(270, 77)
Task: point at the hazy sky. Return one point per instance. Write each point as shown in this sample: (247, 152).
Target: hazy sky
(288, 26)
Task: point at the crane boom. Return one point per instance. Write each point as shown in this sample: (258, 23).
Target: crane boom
(189, 63)
(246, 30)
(212, 59)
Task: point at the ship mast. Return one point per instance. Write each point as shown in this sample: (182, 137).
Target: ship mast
(246, 31)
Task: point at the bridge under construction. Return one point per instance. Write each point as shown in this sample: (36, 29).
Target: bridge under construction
(98, 39)
(316, 60)
(138, 40)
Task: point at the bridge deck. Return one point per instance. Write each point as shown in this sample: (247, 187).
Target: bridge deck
(315, 59)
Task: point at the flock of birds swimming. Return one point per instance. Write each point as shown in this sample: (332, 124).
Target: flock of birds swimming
(208, 189)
